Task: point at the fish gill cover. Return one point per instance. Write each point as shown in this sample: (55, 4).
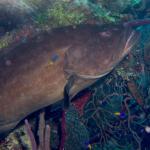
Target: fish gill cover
(111, 114)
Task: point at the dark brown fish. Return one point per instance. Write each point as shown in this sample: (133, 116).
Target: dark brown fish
(33, 74)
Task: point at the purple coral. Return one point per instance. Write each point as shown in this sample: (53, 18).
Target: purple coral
(44, 134)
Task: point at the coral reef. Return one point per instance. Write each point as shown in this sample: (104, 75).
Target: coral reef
(46, 15)
(111, 114)
(56, 13)
(64, 14)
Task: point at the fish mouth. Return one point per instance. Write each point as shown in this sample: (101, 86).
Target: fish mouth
(94, 67)
(130, 42)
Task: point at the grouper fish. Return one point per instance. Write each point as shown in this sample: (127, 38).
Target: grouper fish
(34, 73)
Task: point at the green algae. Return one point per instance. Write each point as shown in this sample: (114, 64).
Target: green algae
(66, 12)
(61, 15)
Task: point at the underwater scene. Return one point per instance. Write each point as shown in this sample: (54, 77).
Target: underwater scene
(74, 74)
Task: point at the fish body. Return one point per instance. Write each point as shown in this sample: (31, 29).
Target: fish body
(33, 74)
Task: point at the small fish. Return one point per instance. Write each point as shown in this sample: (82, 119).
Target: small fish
(120, 114)
(117, 113)
(90, 147)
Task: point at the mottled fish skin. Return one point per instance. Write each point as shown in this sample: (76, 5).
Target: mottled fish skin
(33, 75)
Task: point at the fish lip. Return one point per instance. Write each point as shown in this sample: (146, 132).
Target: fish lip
(88, 77)
(93, 76)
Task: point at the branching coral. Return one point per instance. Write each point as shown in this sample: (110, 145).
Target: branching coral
(44, 134)
(100, 116)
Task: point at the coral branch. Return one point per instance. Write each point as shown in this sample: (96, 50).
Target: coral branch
(43, 133)
(47, 138)
(63, 130)
(135, 93)
(30, 135)
(41, 129)
(137, 23)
